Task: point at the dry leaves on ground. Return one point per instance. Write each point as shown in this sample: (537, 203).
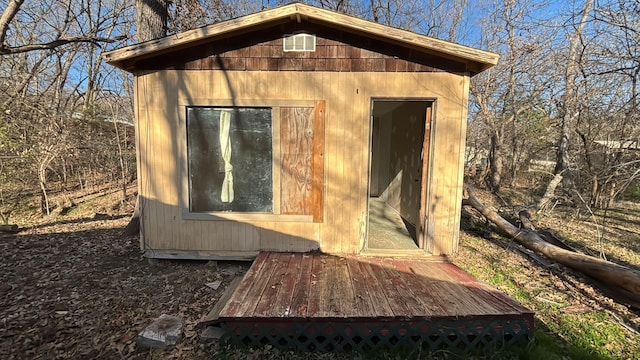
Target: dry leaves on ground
(78, 289)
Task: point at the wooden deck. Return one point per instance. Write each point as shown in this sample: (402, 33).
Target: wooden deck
(418, 297)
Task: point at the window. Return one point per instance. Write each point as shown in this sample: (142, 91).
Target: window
(229, 154)
(299, 42)
(251, 160)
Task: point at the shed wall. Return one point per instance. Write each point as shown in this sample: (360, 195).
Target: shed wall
(160, 100)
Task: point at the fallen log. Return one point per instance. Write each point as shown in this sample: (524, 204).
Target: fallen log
(9, 228)
(601, 270)
(545, 234)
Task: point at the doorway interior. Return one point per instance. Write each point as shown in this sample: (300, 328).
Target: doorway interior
(398, 174)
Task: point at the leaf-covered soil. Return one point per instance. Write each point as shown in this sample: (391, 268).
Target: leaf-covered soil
(78, 289)
(72, 287)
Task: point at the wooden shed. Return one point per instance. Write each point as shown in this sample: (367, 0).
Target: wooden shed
(298, 129)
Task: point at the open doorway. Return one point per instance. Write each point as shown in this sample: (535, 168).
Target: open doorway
(398, 174)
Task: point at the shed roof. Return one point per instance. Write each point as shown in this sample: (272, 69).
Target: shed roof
(474, 60)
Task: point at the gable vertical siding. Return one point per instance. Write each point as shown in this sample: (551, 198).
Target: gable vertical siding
(162, 156)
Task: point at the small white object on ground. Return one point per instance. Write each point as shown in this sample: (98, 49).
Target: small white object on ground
(164, 333)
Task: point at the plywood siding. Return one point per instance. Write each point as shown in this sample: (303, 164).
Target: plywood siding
(296, 139)
(162, 156)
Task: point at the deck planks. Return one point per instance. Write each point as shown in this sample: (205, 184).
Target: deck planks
(316, 284)
(290, 277)
(273, 297)
(302, 286)
(300, 296)
(333, 296)
(402, 301)
(423, 289)
(364, 284)
(237, 298)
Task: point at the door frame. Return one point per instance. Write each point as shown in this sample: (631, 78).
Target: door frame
(422, 227)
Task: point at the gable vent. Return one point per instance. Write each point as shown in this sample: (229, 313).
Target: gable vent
(299, 42)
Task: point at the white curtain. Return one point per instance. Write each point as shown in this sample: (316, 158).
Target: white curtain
(225, 149)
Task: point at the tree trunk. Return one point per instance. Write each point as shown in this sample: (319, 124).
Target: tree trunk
(562, 155)
(496, 164)
(545, 201)
(151, 19)
(602, 270)
(7, 15)
(44, 203)
(569, 107)
(45, 209)
(133, 227)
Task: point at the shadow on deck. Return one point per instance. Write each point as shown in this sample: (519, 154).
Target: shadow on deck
(322, 302)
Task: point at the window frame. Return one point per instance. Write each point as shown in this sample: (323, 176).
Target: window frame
(275, 106)
(304, 37)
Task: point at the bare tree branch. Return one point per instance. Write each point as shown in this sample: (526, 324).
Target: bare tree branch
(4, 50)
